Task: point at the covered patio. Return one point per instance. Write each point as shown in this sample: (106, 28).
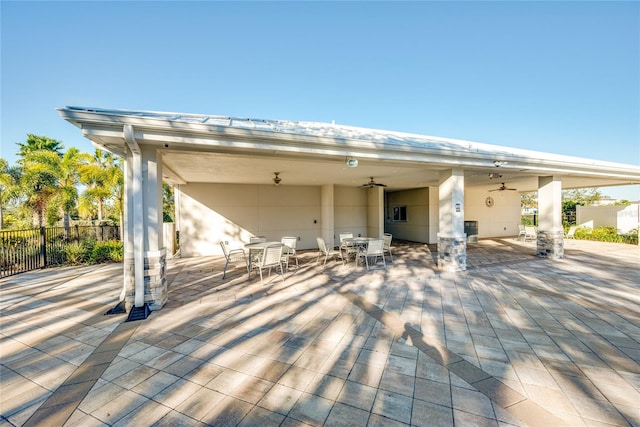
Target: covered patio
(236, 178)
(513, 340)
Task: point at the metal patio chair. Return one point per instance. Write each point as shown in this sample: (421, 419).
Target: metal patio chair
(375, 249)
(271, 257)
(233, 256)
(324, 250)
(289, 250)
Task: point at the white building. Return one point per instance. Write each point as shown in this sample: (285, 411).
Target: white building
(223, 170)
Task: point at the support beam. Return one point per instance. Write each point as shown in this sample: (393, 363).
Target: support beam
(327, 220)
(452, 242)
(550, 240)
(135, 196)
(375, 212)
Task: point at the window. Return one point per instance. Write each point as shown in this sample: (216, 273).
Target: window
(399, 213)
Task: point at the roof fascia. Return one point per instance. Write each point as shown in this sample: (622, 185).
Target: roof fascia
(154, 129)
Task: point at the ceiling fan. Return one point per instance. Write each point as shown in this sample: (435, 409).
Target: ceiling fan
(372, 184)
(503, 187)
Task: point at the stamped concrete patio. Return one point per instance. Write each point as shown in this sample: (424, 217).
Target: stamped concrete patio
(514, 340)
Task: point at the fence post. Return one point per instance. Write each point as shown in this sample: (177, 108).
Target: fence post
(43, 247)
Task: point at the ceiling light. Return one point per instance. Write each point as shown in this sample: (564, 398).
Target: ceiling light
(498, 163)
(276, 179)
(352, 162)
(494, 175)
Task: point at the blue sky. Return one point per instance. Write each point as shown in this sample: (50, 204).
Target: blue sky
(558, 77)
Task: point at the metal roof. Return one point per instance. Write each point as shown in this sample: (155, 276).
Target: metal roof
(236, 135)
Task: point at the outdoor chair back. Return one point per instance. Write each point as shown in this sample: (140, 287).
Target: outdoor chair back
(289, 250)
(271, 257)
(232, 256)
(324, 250)
(387, 244)
(375, 249)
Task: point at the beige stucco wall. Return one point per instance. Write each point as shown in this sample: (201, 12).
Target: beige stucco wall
(416, 228)
(501, 219)
(210, 213)
(233, 212)
(350, 212)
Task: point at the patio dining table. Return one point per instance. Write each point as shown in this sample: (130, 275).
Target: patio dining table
(257, 247)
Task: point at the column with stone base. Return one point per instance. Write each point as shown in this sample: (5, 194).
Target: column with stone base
(550, 244)
(155, 281)
(452, 253)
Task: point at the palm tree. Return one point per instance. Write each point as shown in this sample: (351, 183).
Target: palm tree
(9, 186)
(40, 180)
(67, 196)
(36, 143)
(103, 177)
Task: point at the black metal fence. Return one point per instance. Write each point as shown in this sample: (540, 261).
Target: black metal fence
(26, 250)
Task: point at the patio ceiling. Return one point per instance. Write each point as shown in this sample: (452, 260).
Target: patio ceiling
(217, 149)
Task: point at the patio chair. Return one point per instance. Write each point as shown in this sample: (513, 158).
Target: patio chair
(375, 249)
(521, 231)
(233, 256)
(348, 248)
(255, 255)
(530, 233)
(387, 244)
(289, 250)
(327, 252)
(571, 233)
(271, 257)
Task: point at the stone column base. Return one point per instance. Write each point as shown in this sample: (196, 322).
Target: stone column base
(452, 253)
(155, 280)
(550, 244)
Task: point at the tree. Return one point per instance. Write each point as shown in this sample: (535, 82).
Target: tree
(578, 197)
(9, 186)
(168, 203)
(582, 196)
(40, 179)
(529, 200)
(37, 143)
(67, 196)
(103, 177)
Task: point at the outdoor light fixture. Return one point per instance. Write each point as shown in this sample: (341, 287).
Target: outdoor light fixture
(276, 179)
(352, 162)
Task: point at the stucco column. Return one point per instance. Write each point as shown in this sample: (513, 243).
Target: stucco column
(550, 241)
(145, 255)
(375, 212)
(327, 222)
(452, 242)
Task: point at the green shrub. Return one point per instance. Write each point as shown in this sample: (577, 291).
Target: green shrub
(606, 234)
(75, 253)
(108, 251)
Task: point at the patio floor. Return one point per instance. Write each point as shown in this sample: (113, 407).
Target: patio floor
(514, 340)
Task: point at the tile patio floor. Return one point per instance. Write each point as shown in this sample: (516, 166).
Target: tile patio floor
(514, 340)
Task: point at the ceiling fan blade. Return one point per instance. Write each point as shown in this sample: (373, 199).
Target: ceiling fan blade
(503, 187)
(372, 184)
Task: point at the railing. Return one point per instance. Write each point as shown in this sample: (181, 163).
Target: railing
(26, 250)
